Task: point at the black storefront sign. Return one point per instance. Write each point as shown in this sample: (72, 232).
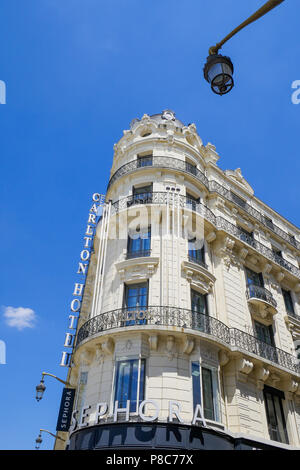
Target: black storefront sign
(65, 411)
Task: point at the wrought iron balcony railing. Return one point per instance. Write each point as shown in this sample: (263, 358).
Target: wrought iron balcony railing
(187, 319)
(196, 260)
(212, 186)
(259, 292)
(219, 222)
(137, 254)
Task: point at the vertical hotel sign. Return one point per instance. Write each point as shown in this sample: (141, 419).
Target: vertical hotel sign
(94, 213)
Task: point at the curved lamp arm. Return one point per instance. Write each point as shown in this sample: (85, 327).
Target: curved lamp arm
(54, 435)
(258, 14)
(57, 378)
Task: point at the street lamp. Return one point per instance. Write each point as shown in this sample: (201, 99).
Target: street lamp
(218, 72)
(39, 439)
(218, 69)
(41, 387)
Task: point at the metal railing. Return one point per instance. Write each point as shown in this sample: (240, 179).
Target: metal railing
(219, 222)
(187, 319)
(259, 292)
(212, 186)
(196, 260)
(137, 254)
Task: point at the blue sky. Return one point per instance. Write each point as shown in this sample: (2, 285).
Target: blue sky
(77, 72)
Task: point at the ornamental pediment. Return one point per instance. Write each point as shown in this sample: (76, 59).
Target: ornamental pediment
(137, 268)
(198, 276)
(237, 177)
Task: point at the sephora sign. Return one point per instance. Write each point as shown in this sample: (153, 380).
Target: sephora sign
(93, 419)
(75, 306)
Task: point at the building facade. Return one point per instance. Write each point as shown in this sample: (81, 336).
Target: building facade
(190, 317)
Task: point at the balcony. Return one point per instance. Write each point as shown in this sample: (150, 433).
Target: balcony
(147, 317)
(212, 186)
(199, 261)
(261, 297)
(218, 222)
(142, 198)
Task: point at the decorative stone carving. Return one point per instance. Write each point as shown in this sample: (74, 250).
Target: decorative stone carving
(188, 345)
(86, 357)
(170, 344)
(212, 236)
(244, 367)
(223, 358)
(237, 176)
(297, 288)
(274, 378)
(253, 259)
(243, 253)
(226, 252)
(267, 269)
(291, 386)
(137, 268)
(261, 313)
(280, 276)
(108, 346)
(262, 374)
(99, 355)
(198, 276)
(153, 341)
(293, 325)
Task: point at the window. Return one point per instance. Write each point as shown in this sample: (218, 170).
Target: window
(238, 200)
(141, 195)
(265, 344)
(195, 253)
(277, 252)
(191, 168)
(139, 244)
(205, 390)
(264, 333)
(200, 321)
(192, 201)
(145, 160)
(254, 279)
(136, 299)
(268, 222)
(287, 297)
(275, 416)
(292, 239)
(246, 236)
(81, 392)
(130, 383)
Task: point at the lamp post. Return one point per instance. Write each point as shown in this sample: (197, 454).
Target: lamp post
(39, 439)
(40, 388)
(218, 70)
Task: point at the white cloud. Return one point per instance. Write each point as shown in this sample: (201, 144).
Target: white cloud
(19, 317)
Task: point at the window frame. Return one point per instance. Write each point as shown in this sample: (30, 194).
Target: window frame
(215, 380)
(280, 395)
(141, 241)
(288, 293)
(141, 362)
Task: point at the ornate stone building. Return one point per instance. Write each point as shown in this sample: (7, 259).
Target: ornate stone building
(187, 336)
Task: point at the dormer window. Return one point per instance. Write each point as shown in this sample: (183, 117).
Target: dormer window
(238, 200)
(268, 222)
(277, 252)
(144, 160)
(145, 134)
(191, 168)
